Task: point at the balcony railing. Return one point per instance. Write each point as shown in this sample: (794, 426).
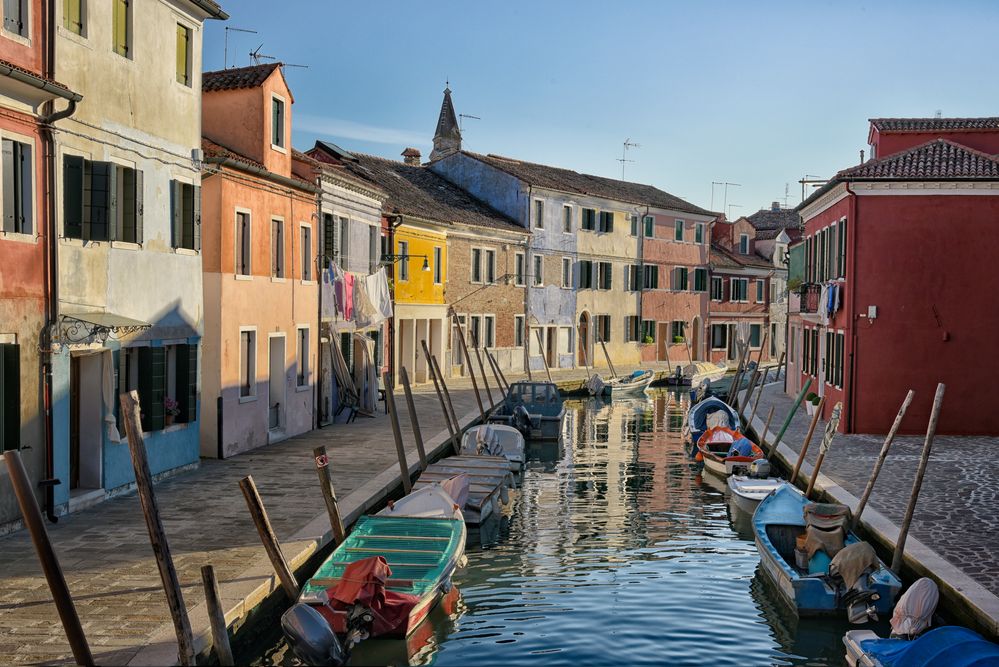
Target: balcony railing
(809, 293)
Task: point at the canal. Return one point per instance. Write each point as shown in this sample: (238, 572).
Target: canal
(617, 550)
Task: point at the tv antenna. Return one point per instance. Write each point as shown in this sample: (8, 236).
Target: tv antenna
(726, 184)
(462, 116)
(787, 193)
(628, 143)
(225, 57)
(257, 56)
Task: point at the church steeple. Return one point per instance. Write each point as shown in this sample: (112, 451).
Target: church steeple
(447, 138)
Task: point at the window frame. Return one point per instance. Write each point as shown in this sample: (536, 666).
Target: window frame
(724, 337)
(188, 74)
(303, 369)
(475, 275)
(488, 331)
(721, 288)
(305, 250)
(699, 233)
(605, 222)
(82, 25)
(520, 269)
(438, 265)
(743, 241)
(249, 381)
(759, 335)
(279, 146)
(489, 272)
(403, 254)
(18, 187)
(539, 270)
(678, 230)
(588, 219)
(247, 247)
(567, 273)
(278, 272)
(518, 331)
(567, 218)
(538, 212)
(23, 33)
(761, 296)
(700, 271)
(649, 226)
(129, 41)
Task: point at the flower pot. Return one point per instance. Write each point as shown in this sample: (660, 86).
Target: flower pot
(169, 419)
(809, 408)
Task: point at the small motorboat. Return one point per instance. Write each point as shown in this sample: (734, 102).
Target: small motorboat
(636, 383)
(697, 372)
(946, 646)
(725, 451)
(495, 440)
(749, 489)
(706, 414)
(536, 409)
(434, 501)
(490, 481)
(816, 564)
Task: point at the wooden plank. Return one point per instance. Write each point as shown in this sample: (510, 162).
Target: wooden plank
(402, 537)
(396, 551)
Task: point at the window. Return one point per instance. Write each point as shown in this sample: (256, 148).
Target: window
(518, 331)
(602, 324)
(740, 289)
(183, 55)
(344, 243)
(185, 207)
(822, 255)
(632, 328)
(760, 286)
(587, 277)
(648, 331)
(476, 265)
(700, 280)
(755, 331)
(566, 272)
(72, 16)
(539, 214)
(518, 269)
(247, 363)
(589, 220)
(438, 265)
(815, 352)
(634, 225)
(306, 252)
(606, 221)
(159, 374)
(475, 329)
(490, 266)
(719, 336)
(716, 289)
(302, 360)
(374, 251)
(565, 340)
(126, 204)
(17, 197)
(277, 248)
(539, 270)
(328, 240)
(633, 277)
(773, 339)
(841, 255)
(838, 368)
(15, 17)
(744, 244)
(806, 350)
(680, 279)
(242, 243)
(102, 201)
(651, 277)
(567, 219)
(677, 331)
(650, 224)
(277, 122)
(489, 330)
(605, 277)
(404, 263)
(10, 396)
(678, 230)
(121, 28)
(699, 233)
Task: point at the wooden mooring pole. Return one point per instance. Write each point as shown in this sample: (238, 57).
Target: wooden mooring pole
(271, 545)
(468, 360)
(759, 395)
(544, 357)
(768, 452)
(610, 364)
(456, 445)
(790, 415)
(400, 449)
(881, 459)
(414, 420)
(503, 390)
(827, 437)
(749, 392)
(47, 557)
(329, 495)
(808, 439)
(157, 536)
(931, 431)
(499, 370)
(485, 380)
(216, 616)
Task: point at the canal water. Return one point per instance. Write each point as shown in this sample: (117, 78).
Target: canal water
(617, 550)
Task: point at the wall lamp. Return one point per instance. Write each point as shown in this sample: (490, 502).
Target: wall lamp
(392, 259)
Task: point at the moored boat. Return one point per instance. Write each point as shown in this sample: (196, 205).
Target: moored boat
(636, 383)
(725, 451)
(495, 440)
(947, 646)
(749, 489)
(490, 479)
(707, 413)
(536, 409)
(698, 372)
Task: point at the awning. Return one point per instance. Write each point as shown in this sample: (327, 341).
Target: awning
(97, 326)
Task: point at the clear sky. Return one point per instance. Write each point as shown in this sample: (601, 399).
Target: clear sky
(756, 93)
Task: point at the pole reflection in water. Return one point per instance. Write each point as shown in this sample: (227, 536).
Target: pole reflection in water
(616, 551)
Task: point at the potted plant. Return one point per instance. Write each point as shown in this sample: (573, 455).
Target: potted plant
(172, 409)
(811, 400)
(648, 340)
(677, 339)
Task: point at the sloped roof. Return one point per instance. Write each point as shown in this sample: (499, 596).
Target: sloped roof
(939, 159)
(416, 191)
(934, 124)
(252, 76)
(767, 218)
(215, 152)
(567, 180)
(213, 9)
(723, 259)
(334, 160)
(37, 80)
(793, 233)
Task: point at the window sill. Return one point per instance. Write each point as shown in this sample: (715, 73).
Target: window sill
(301, 388)
(15, 37)
(240, 276)
(307, 282)
(247, 399)
(190, 252)
(275, 279)
(74, 37)
(125, 245)
(79, 243)
(279, 149)
(18, 237)
(176, 427)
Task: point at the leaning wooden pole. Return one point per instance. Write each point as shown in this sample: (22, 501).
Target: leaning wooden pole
(400, 448)
(767, 452)
(216, 617)
(455, 444)
(468, 359)
(881, 459)
(414, 420)
(47, 557)
(267, 536)
(759, 394)
(744, 403)
(499, 370)
(931, 431)
(450, 404)
(610, 364)
(503, 390)
(831, 426)
(157, 536)
(808, 439)
(485, 380)
(322, 462)
(544, 357)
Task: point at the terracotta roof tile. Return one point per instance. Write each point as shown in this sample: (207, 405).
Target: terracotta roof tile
(237, 77)
(213, 149)
(69, 94)
(723, 259)
(934, 124)
(767, 218)
(939, 159)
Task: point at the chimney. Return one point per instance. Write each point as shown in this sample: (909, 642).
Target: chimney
(775, 206)
(861, 156)
(411, 156)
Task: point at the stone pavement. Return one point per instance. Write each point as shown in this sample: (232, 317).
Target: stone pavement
(106, 557)
(956, 515)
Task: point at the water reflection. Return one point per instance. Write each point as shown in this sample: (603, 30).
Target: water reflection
(617, 551)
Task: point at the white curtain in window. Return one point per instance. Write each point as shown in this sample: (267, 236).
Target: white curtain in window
(107, 389)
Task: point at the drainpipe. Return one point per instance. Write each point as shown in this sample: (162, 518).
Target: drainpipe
(851, 229)
(528, 267)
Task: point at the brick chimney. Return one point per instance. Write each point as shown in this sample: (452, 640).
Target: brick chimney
(411, 156)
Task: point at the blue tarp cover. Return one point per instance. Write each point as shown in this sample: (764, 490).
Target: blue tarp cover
(697, 417)
(949, 646)
(741, 447)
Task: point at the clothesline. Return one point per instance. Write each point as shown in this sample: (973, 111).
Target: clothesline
(363, 300)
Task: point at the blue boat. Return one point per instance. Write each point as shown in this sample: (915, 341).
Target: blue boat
(536, 409)
(811, 586)
(698, 415)
(947, 646)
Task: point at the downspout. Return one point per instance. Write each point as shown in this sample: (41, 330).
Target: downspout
(528, 264)
(317, 387)
(391, 221)
(851, 229)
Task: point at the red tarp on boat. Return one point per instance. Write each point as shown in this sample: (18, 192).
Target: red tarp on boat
(363, 582)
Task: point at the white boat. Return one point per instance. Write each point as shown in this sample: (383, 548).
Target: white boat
(636, 383)
(495, 440)
(442, 500)
(749, 490)
(698, 372)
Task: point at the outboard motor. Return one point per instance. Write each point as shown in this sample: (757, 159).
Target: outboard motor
(521, 420)
(311, 637)
(759, 469)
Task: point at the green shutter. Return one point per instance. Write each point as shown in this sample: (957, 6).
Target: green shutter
(9, 186)
(125, 206)
(72, 196)
(186, 373)
(187, 215)
(10, 397)
(152, 387)
(97, 215)
(176, 217)
(25, 178)
(197, 218)
(139, 205)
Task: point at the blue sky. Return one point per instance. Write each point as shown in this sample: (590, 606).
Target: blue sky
(756, 93)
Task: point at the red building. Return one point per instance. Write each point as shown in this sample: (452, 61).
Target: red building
(902, 243)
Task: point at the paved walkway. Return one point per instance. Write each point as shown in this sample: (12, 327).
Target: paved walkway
(108, 563)
(956, 515)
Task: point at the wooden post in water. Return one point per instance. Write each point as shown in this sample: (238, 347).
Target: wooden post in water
(827, 437)
(759, 394)
(931, 431)
(743, 404)
(610, 364)
(400, 449)
(329, 495)
(544, 357)
(47, 557)
(790, 415)
(740, 370)
(881, 460)
(763, 435)
(471, 371)
(216, 616)
(450, 405)
(440, 396)
(413, 419)
(485, 380)
(496, 374)
(157, 536)
(270, 541)
(808, 439)
(499, 370)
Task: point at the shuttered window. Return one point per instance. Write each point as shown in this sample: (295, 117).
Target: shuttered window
(589, 220)
(518, 269)
(329, 239)
(586, 280)
(102, 201)
(650, 224)
(700, 280)
(680, 278)
(72, 16)
(306, 252)
(152, 387)
(10, 396)
(242, 243)
(841, 254)
(187, 383)
(716, 289)
(277, 248)
(606, 275)
(603, 327)
(183, 55)
(539, 271)
(719, 336)
(755, 331)
(185, 207)
(15, 17)
(277, 122)
(606, 221)
(651, 278)
(17, 194)
(121, 32)
(677, 331)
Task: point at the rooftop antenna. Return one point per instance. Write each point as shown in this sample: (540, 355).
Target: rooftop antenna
(729, 208)
(225, 57)
(628, 143)
(787, 193)
(810, 179)
(257, 56)
(938, 114)
(462, 116)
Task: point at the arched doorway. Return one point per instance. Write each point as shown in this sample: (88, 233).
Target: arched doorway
(695, 338)
(584, 339)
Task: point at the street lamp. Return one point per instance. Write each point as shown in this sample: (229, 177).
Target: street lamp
(392, 259)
